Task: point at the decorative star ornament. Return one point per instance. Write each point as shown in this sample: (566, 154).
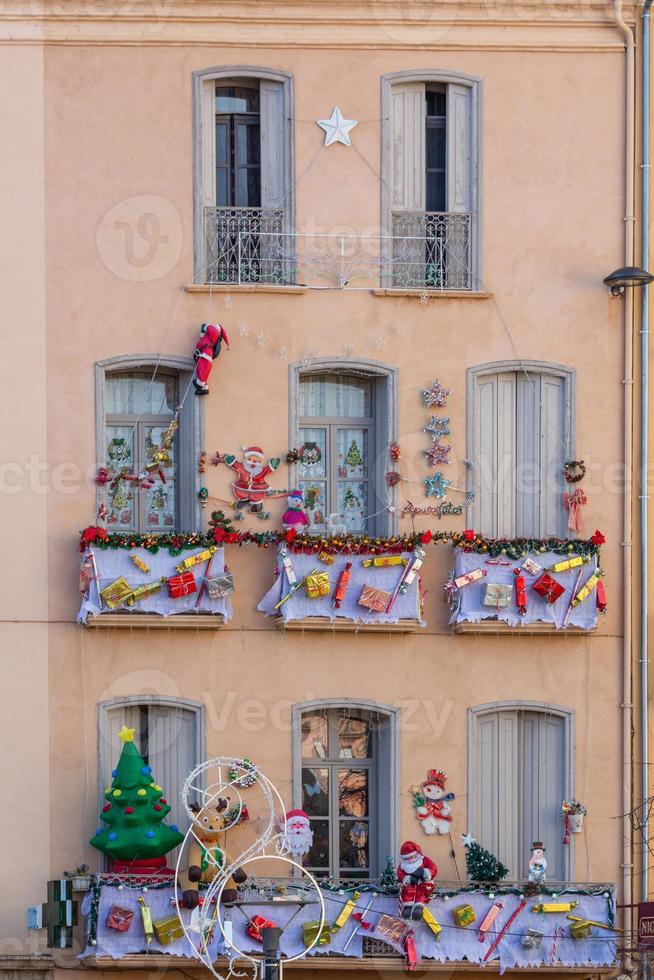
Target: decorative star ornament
(438, 453)
(438, 426)
(337, 128)
(126, 734)
(436, 396)
(436, 486)
(467, 840)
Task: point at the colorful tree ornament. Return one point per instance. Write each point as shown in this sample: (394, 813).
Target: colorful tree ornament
(480, 863)
(353, 457)
(439, 425)
(438, 453)
(436, 396)
(436, 486)
(134, 821)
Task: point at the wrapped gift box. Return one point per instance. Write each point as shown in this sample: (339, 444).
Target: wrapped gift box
(373, 599)
(220, 586)
(115, 594)
(497, 595)
(317, 585)
(463, 915)
(182, 585)
(310, 931)
(120, 919)
(168, 930)
(470, 577)
(548, 588)
(581, 930)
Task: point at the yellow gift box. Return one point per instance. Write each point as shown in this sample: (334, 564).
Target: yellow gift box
(317, 585)
(463, 915)
(581, 930)
(115, 594)
(168, 930)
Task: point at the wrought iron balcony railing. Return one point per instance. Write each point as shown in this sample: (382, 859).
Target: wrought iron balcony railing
(425, 250)
(243, 246)
(431, 250)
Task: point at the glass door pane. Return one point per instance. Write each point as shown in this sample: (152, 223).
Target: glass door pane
(352, 471)
(120, 455)
(312, 472)
(159, 501)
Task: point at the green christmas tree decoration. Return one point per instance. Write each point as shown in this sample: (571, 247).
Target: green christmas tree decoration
(353, 457)
(481, 864)
(388, 877)
(135, 810)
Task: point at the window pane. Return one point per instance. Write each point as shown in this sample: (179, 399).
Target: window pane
(237, 98)
(318, 856)
(353, 792)
(335, 396)
(436, 104)
(352, 449)
(315, 502)
(139, 394)
(354, 738)
(314, 736)
(315, 792)
(159, 500)
(314, 453)
(353, 505)
(353, 843)
(120, 455)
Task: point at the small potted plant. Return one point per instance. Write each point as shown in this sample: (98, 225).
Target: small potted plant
(573, 812)
(80, 877)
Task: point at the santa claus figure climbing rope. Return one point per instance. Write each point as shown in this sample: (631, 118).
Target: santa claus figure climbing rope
(206, 351)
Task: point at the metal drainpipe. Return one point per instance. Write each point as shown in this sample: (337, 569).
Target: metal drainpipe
(644, 454)
(627, 706)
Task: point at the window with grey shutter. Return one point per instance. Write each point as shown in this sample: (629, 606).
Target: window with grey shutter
(244, 204)
(521, 434)
(430, 182)
(519, 775)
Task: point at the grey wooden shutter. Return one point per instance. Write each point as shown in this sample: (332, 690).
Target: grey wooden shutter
(459, 148)
(208, 132)
(528, 463)
(554, 430)
(542, 765)
(407, 147)
(273, 169)
(494, 453)
(459, 185)
(172, 753)
(495, 793)
(519, 770)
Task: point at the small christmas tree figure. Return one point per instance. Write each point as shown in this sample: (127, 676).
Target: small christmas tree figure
(134, 810)
(353, 457)
(480, 863)
(388, 877)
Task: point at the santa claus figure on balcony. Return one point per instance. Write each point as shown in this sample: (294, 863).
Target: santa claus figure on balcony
(250, 486)
(416, 874)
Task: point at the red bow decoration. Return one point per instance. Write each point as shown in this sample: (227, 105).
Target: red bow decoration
(573, 503)
(359, 917)
(598, 538)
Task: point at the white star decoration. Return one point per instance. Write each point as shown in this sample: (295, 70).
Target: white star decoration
(467, 840)
(337, 129)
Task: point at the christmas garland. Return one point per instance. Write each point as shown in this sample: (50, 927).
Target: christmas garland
(221, 532)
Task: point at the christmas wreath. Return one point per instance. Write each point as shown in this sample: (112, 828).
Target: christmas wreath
(574, 470)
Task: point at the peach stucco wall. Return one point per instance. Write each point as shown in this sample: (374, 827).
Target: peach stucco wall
(115, 129)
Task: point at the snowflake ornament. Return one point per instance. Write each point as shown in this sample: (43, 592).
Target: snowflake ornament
(436, 486)
(438, 453)
(436, 396)
(438, 426)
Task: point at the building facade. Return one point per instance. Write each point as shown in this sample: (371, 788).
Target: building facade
(185, 165)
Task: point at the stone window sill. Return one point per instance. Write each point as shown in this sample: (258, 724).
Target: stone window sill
(202, 621)
(322, 624)
(247, 288)
(436, 293)
(491, 627)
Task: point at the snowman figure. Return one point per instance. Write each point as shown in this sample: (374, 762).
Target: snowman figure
(432, 803)
(295, 516)
(537, 863)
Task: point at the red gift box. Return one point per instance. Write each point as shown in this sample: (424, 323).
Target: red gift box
(120, 919)
(548, 588)
(181, 585)
(257, 923)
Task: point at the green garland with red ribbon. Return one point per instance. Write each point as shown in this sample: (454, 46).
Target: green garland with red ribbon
(221, 531)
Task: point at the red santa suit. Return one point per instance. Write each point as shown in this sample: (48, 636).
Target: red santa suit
(250, 486)
(206, 351)
(416, 874)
